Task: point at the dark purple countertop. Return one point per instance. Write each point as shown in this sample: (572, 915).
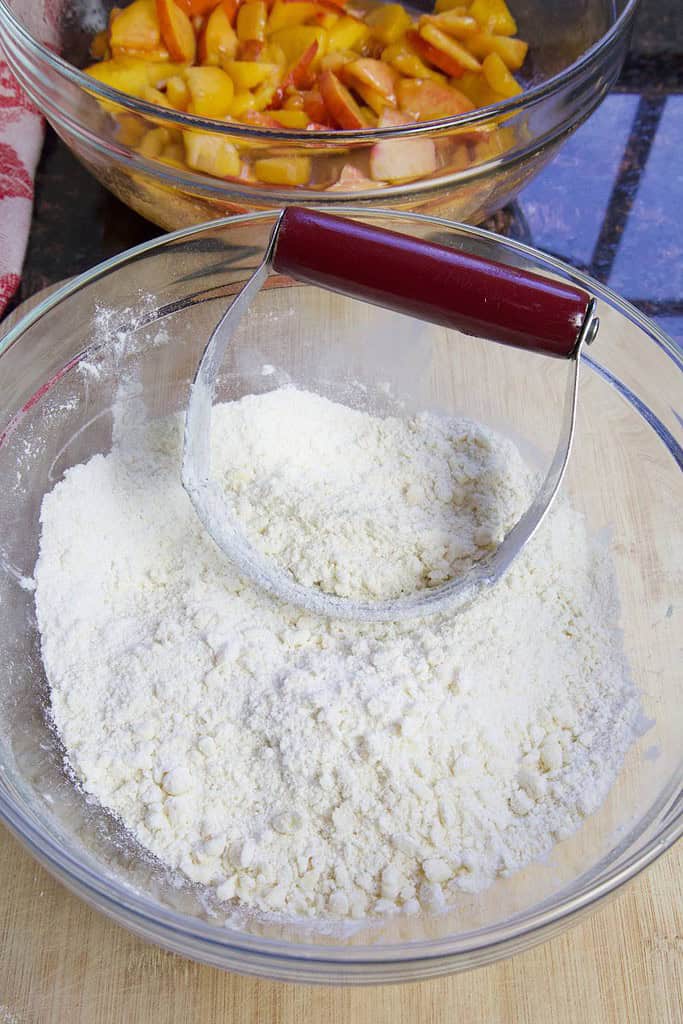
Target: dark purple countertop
(610, 203)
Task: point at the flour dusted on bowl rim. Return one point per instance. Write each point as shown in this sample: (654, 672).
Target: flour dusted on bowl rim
(310, 767)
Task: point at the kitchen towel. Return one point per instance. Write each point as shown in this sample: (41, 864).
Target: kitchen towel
(21, 139)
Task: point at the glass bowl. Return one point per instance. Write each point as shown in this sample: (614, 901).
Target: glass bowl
(63, 367)
(576, 52)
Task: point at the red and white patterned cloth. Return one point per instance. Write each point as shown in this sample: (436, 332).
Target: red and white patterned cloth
(21, 139)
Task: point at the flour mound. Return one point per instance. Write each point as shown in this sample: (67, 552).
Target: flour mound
(310, 767)
(362, 506)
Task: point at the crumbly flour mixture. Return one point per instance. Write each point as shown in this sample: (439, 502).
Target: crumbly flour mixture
(363, 506)
(319, 768)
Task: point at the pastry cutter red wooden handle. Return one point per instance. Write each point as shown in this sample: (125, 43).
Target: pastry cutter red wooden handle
(424, 280)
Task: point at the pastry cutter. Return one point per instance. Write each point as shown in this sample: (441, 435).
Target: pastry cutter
(427, 281)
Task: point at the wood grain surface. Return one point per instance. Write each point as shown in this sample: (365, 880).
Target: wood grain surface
(62, 963)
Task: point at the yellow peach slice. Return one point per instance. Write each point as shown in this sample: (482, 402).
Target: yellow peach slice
(348, 34)
(211, 154)
(433, 35)
(136, 27)
(404, 59)
(288, 15)
(290, 118)
(511, 51)
(494, 16)
(388, 22)
(295, 41)
(247, 74)
(499, 78)
(251, 21)
(217, 40)
(283, 170)
(177, 32)
(211, 92)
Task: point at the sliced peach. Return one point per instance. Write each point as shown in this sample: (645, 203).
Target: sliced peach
(340, 103)
(450, 5)
(401, 159)
(291, 118)
(475, 87)
(247, 74)
(451, 47)
(217, 41)
(430, 101)
(130, 130)
(153, 142)
(174, 154)
(264, 95)
(152, 95)
(294, 100)
(325, 18)
(373, 99)
(373, 73)
(159, 55)
(283, 170)
(404, 59)
(136, 27)
(252, 49)
(211, 92)
(295, 41)
(443, 61)
(177, 92)
(251, 21)
(176, 31)
(288, 15)
(499, 78)
(351, 179)
(494, 16)
(388, 22)
(131, 74)
(460, 26)
(261, 119)
(511, 51)
(298, 74)
(314, 105)
(348, 33)
(211, 154)
(336, 60)
(242, 101)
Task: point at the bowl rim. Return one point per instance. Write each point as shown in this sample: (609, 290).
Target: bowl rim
(158, 922)
(525, 100)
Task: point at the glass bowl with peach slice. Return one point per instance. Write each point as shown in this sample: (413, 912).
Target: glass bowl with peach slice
(192, 109)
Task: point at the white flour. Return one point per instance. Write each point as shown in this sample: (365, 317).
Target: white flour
(313, 767)
(361, 506)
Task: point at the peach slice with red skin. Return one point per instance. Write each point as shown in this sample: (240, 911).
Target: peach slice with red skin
(314, 105)
(177, 32)
(443, 61)
(431, 101)
(340, 103)
(401, 159)
(351, 179)
(373, 73)
(217, 40)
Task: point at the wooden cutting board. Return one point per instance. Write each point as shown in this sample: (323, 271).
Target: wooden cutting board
(62, 963)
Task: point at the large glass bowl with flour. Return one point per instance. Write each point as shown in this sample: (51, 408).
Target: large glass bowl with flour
(123, 341)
